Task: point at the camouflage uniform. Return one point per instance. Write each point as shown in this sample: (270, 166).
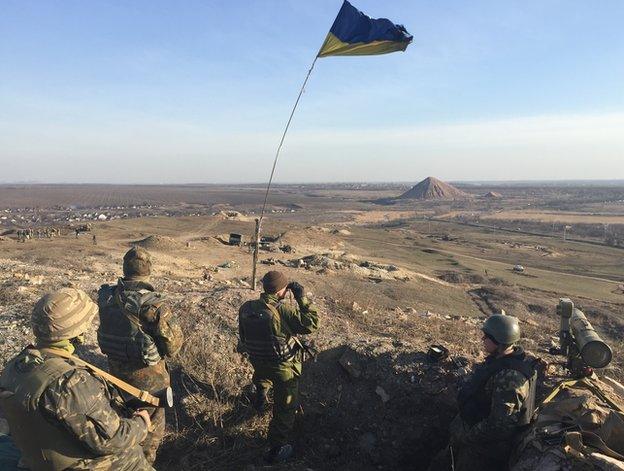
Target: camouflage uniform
(80, 406)
(503, 406)
(283, 375)
(159, 323)
(60, 415)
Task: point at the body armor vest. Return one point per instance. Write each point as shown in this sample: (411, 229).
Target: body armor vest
(44, 446)
(475, 404)
(120, 335)
(259, 335)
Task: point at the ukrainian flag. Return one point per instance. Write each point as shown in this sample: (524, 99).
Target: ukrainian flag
(355, 34)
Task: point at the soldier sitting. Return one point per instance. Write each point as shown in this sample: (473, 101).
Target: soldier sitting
(268, 329)
(137, 331)
(60, 414)
(495, 404)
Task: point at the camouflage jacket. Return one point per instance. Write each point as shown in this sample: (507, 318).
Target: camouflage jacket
(296, 319)
(508, 390)
(82, 404)
(159, 322)
(88, 409)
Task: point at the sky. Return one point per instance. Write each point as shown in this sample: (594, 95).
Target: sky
(199, 92)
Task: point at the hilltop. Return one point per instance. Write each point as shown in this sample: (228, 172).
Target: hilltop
(388, 285)
(433, 189)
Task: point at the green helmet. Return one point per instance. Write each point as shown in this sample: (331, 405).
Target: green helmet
(62, 314)
(503, 329)
(137, 262)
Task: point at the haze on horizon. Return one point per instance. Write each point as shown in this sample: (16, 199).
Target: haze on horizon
(199, 92)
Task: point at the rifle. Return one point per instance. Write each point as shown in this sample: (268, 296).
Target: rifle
(307, 348)
(133, 397)
(579, 342)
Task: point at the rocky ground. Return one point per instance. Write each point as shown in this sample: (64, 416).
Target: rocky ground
(373, 399)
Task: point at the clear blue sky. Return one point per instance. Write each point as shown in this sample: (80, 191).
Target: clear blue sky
(199, 91)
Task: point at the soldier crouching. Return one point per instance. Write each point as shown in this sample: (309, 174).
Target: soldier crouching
(61, 415)
(137, 331)
(495, 404)
(268, 328)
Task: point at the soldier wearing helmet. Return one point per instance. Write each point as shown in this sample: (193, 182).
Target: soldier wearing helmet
(137, 332)
(495, 404)
(61, 415)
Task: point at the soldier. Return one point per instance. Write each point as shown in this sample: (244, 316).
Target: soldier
(495, 404)
(268, 328)
(137, 331)
(61, 415)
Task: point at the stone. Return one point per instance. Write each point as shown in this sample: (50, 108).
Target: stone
(350, 364)
(385, 397)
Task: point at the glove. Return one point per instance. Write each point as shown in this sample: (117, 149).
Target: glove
(296, 289)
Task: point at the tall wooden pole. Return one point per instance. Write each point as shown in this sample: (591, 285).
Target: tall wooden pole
(255, 254)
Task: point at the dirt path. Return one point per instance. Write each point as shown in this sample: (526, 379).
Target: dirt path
(472, 257)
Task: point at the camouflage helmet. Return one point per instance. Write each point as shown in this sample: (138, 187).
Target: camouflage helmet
(502, 328)
(62, 314)
(137, 262)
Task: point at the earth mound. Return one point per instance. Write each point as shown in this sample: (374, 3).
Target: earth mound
(157, 242)
(433, 189)
(492, 194)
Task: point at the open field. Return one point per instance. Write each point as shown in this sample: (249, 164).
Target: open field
(389, 281)
(569, 218)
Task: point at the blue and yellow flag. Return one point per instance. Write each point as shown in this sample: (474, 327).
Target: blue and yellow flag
(355, 34)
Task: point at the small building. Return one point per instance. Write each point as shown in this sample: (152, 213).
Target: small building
(235, 239)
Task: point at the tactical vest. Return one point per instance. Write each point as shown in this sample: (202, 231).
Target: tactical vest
(120, 335)
(475, 404)
(260, 333)
(44, 445)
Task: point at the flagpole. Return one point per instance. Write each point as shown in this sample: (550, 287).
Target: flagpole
(266, 194)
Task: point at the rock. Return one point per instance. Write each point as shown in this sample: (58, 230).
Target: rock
(228, 264)
(22, 289)
(355, 307)
(244, 283)
(350, 364)
(400, 314)
(36, 280)
(382, 394)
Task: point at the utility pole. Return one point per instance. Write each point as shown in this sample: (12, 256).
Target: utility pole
(255, 254)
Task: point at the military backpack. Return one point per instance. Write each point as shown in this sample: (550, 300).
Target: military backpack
(121, 335)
